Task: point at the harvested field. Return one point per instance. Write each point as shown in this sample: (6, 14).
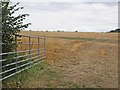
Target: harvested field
(84, 62)
(83, 59)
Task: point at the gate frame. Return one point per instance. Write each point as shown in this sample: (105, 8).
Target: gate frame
(29, 58)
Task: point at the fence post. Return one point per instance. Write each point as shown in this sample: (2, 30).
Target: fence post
(0, 56)
(29, 56)
(45, 47)
(16, 52)
(21, 43)
(38, 48)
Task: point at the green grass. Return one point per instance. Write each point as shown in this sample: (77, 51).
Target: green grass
(34, 73)
(29, 74)
(86, 39)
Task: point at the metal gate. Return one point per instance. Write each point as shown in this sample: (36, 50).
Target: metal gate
(30, 51)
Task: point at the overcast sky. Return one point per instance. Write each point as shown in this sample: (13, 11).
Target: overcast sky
(71, 15)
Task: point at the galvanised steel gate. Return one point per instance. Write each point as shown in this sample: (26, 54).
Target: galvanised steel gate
(30, 51)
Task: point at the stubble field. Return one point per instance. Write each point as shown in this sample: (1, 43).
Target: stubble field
(83, 60)
(89, 59)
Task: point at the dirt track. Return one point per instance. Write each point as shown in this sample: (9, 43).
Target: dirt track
(81, 63)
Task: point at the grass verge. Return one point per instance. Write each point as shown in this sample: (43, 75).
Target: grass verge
(38, 73)
(21, 78)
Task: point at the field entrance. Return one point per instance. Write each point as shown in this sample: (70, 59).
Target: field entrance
(81, 60)
(26, 54)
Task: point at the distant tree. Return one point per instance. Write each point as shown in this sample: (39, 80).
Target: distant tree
(112, 31)
(117, 30)
(76, 31)
(46, 30)
(11, 25)
(58, 30)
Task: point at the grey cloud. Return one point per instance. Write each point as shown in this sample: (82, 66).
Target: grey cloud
(76, 15)
(47, 6)
(105, 3)
(66, 0)
(60, 6)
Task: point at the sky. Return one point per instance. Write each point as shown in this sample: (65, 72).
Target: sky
(71, 15)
